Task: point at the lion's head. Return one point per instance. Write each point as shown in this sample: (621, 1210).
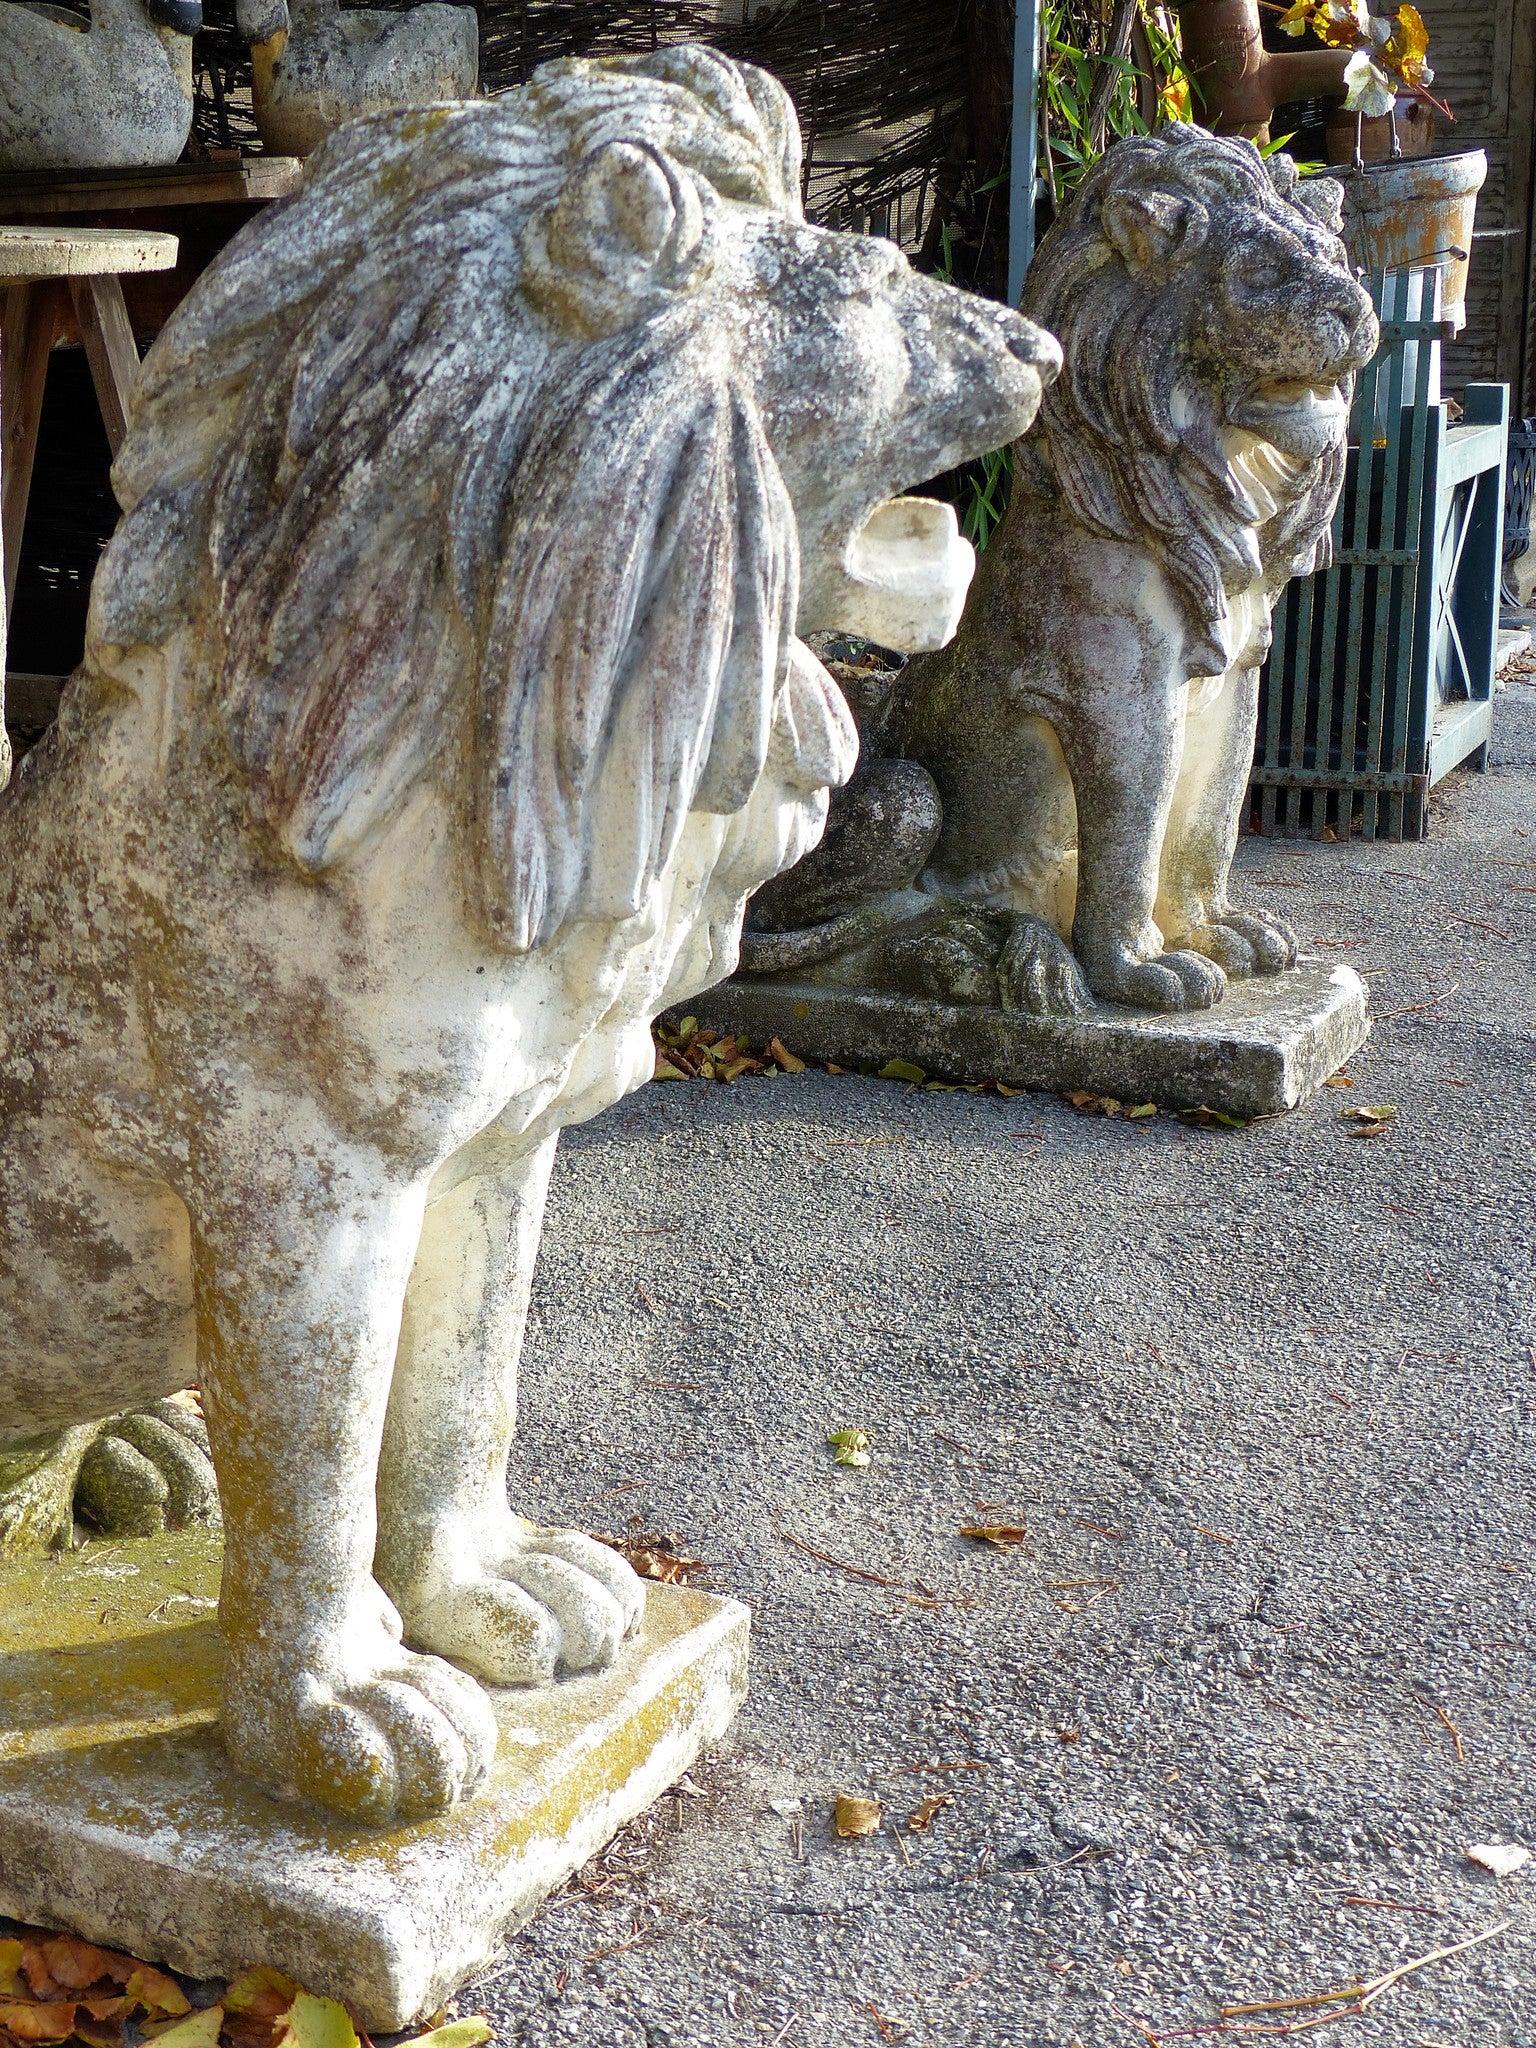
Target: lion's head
(515, 450)
(1211, 329)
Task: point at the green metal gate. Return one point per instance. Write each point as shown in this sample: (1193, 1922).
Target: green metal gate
(1380, 678)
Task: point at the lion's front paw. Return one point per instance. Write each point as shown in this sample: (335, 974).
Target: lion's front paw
(1037, 974)
(1246, 942)
(375, 1733)
(148, 1471)
(1171, 981)
(556, 1601)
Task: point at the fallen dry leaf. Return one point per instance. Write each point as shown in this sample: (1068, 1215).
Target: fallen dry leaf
(849, 1447)
(198, 2030)
(1001, 1535)
(1369, 1119)
(783, 1058)
(855, 1813)
(924, 1811)
(468, 2032)
(902, 1070)
(255, 2006)
(317, 2023)
(30, 2020)
(655, 1555)
(1503, 1859)
(1205, 1116)
(1340, 1081)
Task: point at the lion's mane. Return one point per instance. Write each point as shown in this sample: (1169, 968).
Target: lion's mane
(409, 494)
(1107, 436)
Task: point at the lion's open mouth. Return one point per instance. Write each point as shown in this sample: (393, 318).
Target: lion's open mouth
(1299, 417)
(906, 573)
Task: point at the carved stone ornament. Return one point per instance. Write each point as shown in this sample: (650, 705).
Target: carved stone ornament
(315, 64)
(1046, 812)
(442, 705)
(108, 95)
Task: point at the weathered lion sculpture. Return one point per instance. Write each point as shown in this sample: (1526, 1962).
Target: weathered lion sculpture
(1091, 730)
(1073, 766)
(442, 706)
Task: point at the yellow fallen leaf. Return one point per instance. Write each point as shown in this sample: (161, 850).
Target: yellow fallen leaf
(902, 1070)
(1340, 1081)
(317, 2023)
(784, 1058)
(466, 2033)
(686, 1029)
(856, 1814)
(198, 2030)
(1142, 1109)
(160, 1996)
(922, 1814)
(665, 1071)
(1001, 1535)
(1003, 1089)
(849, 1446)
(10, 1963)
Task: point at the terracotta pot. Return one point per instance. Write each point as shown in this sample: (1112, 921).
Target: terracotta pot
(1416, 210)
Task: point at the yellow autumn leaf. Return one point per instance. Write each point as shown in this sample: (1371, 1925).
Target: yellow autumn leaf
(902, 1070)
(198, 2030)
(263, 1990)
(317, 2023)
(855, 1814)
(10, 1963)
(1297, 18)
(160, 1996)
(933, 1803)
(1342, 24)
(849, 1446)
(465, 2033)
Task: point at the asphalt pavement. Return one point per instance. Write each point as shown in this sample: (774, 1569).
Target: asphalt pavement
(1220, 1728)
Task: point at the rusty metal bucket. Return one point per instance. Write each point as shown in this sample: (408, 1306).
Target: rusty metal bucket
(1416, 210)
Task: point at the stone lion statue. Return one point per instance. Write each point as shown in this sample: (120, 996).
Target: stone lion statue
(443, 703)
(1073, 767)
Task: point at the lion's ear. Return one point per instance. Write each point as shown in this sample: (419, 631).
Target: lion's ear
(627, 225)
(1146, 226)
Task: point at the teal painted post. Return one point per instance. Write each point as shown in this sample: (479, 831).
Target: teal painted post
(1021, 174)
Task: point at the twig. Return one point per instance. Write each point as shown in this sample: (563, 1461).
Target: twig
(854, 1571)
(1479, 924)
(1214, 1534)
(1384, 1983)
(1391, 1905)
(1461, 1754)
(792, 2021)
(1409, 1009)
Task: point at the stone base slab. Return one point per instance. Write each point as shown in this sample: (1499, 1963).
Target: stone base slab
(1270, 1043)
(121, 1819)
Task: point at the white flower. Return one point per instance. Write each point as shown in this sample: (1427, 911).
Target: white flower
(1372, 91)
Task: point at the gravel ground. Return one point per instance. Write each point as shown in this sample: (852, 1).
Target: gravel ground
(1223, 1727)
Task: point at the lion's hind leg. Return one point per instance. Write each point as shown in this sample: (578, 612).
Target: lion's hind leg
(514, 1602)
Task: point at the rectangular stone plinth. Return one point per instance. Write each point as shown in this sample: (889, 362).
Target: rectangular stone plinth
(121, 1820)
(1268, 1045)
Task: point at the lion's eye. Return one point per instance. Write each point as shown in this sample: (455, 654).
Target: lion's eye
(1261, 274)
